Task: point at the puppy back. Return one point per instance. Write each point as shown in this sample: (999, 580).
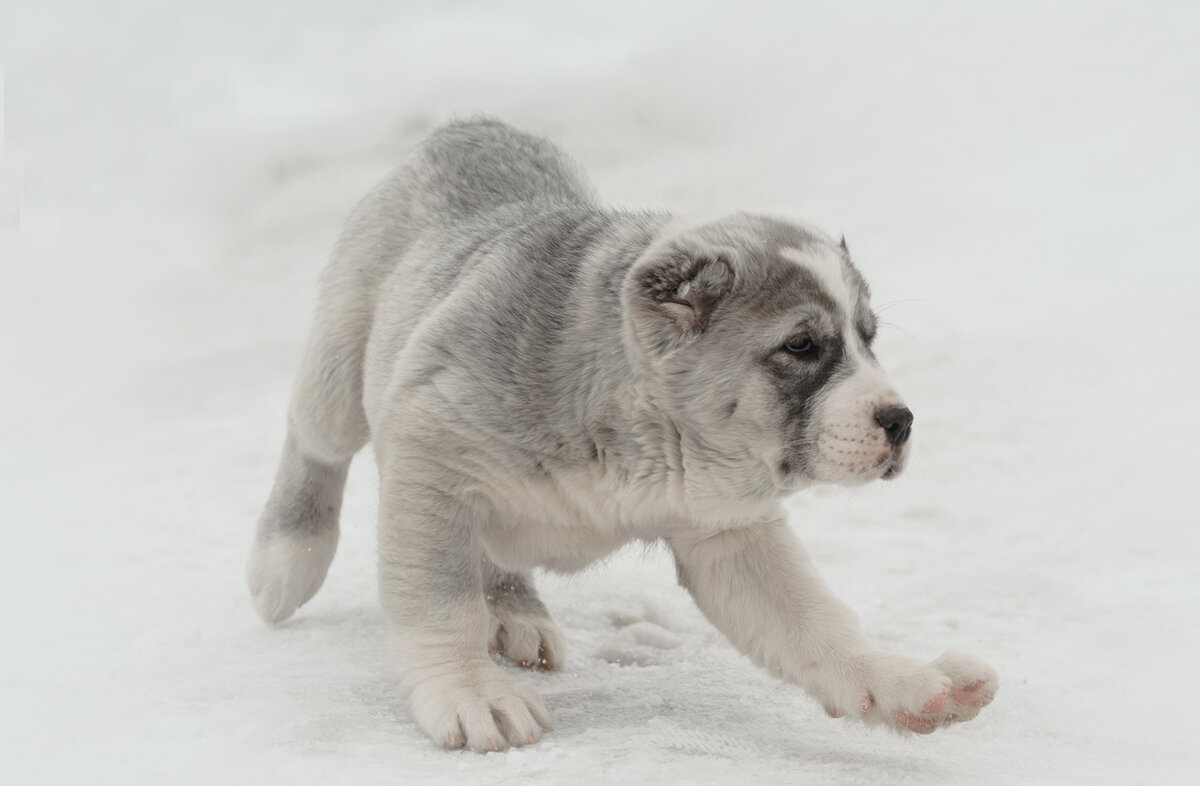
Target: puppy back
(480, 164)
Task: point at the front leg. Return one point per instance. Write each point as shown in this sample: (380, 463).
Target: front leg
(759, 587)
(432, 590)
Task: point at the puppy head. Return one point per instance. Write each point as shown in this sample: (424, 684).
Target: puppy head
(754, 337)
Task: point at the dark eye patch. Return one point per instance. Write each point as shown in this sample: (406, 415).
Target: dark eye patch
(798, 381)
(809, 351)
(802, 347)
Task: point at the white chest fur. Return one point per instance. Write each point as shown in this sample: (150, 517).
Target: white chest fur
(565, 523)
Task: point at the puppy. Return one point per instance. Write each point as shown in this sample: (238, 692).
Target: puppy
(545, 379)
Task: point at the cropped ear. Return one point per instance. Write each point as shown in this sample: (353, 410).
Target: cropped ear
(671, 294)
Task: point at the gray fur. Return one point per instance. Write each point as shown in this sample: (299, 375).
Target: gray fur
(544, 379)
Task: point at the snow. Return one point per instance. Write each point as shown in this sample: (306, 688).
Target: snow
(1017, 181)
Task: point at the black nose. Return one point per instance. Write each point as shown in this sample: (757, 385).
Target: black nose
(897, 422)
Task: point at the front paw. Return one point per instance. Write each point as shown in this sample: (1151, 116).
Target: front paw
(474, 703)
(905, 694)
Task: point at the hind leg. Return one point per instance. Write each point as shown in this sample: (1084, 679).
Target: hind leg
(298, 530)
(520, 628)
(297, 534)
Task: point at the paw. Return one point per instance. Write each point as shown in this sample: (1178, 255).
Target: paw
(284, 572)
(907, 695)
(476, 705)
(529, 640)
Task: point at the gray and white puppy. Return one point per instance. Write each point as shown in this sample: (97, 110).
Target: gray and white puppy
(545, 379)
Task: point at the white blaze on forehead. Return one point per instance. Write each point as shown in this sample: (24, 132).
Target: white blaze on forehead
(829, 269)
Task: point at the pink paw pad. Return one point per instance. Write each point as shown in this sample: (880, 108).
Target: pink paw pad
(916, 723)
(971, 693)
(936, 704)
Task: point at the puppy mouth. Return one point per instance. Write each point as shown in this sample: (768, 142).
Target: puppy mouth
(890, 465)
(883, 463)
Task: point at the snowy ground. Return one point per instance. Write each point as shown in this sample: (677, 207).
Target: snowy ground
(1019, 182)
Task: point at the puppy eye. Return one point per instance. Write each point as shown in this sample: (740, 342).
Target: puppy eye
(800, 347)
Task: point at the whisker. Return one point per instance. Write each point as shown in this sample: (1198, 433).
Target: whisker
(891, 303)
(894, 326)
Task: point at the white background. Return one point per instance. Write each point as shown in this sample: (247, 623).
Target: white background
(1019, 182)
